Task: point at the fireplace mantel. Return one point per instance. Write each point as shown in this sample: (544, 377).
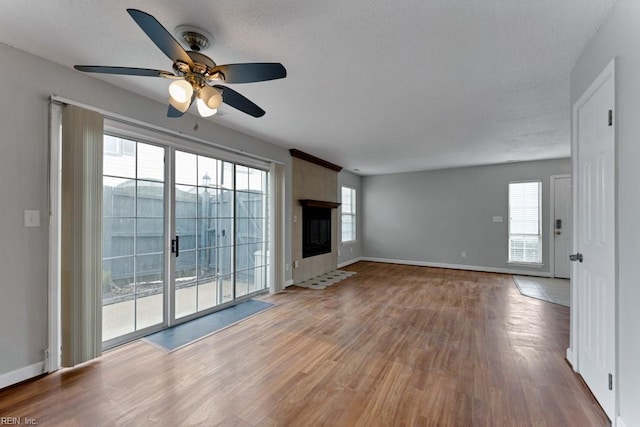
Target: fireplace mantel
(308, 203)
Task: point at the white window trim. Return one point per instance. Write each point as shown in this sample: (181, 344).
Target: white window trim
(534, 264)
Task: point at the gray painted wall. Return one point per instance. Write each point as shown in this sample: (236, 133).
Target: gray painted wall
(24, 185)
(433, 216)
(619, 37)
(351, 252)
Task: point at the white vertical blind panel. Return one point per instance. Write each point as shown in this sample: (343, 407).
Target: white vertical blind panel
(81, 236)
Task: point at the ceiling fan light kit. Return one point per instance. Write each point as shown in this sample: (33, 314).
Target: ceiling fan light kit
(203, 108)
(195, 73)
(182, 107)
(181, 91)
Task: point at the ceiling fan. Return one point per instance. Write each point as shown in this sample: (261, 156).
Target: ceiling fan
(194, 73)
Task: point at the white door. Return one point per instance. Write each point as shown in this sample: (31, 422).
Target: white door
(594, 149)
(562, 225)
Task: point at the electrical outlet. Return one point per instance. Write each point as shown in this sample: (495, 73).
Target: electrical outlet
(463, 254)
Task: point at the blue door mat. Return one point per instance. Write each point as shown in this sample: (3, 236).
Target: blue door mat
(176, 337)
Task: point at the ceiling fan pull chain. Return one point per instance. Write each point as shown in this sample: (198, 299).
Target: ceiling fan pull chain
(195, 126)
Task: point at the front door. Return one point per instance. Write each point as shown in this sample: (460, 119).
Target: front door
(562, 225)
(594, 273)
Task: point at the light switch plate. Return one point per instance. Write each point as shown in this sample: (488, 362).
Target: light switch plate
(31, 218)
(497, 219)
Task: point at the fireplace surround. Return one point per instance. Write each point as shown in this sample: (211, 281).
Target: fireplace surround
(315, 185)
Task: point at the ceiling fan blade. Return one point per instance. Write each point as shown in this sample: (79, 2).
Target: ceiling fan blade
(237, 101)
(160, 36)
(174, 112)
(251, 72)
(128, 71)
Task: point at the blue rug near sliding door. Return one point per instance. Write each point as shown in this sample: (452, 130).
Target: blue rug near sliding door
(176, 337)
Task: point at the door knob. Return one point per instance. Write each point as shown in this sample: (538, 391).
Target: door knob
(576, 257)
(558, 232)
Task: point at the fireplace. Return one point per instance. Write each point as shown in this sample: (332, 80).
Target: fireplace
(316, 227)
(316, 231)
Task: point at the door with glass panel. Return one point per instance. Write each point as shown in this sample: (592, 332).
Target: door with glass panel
(133, 244)
(221, 228)
(204, 227)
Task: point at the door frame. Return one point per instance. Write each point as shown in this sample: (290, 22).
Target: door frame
(552, 225)
(572, 354)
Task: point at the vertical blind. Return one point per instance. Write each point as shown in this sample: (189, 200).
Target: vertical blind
(525, 240)
(81, 235)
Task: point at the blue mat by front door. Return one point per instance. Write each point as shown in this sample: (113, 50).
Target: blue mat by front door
(176, 337)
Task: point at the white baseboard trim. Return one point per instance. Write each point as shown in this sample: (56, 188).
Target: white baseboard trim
(288, 283)
(351, 261)
(619, 422)
(571, 359)
(21, 374)
(459, 267)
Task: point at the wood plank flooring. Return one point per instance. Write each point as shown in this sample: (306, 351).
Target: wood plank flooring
(390, 346)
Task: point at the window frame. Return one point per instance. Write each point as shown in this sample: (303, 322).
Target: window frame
(353, 214)
(537, 263)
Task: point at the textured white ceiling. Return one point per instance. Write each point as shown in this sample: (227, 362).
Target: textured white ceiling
(379, 86)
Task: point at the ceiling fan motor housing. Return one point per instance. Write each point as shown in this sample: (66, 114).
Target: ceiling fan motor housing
(200, 72)
(195, 41)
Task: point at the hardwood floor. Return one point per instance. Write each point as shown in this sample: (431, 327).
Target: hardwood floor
(391, 345)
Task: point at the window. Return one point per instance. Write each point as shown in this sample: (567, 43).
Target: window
(119, 147)
(525, 230)
(348, 214)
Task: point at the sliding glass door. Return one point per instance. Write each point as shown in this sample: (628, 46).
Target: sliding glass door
(173, 255)
(204, 211)
(252, 230)
(133, 242)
